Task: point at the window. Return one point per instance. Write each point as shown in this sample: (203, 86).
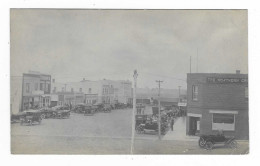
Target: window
(89, 90)
(54, 89)
(80, 89)
(41, 86)
(62, 89)
(72, 90)
(36, 86)
(246, 93)
(225, 122)
(49, 87)
(195, 91)
(27, 87)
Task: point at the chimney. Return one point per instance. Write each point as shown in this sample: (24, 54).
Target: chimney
(237, 71)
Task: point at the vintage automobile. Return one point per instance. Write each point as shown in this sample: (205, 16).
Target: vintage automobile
(16, 117)
(107, 108)
(30, 117)
(46, 113)
(140, 119)
(208, 141)
(120, 106)
(88, 110)
(61, 112)
(151, 126)
(98, 107)
(79, 108)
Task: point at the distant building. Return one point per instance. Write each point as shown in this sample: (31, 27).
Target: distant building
(102, 91)
(217, 102)
(36, 88)
(66, 98)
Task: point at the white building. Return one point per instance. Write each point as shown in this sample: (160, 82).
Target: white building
(101, 91)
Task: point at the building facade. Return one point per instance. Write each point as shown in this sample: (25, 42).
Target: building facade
(217, 102)
(36, 88)
(102, 91)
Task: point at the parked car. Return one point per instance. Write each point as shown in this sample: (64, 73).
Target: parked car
(151, 126)
(88, 110)
(46, 113)
(107, 108)
(79, 108)
(208, 141)
(61, 112)
(17, 117)
(30, 117)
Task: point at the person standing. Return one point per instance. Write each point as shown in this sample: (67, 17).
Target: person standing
(172, 123)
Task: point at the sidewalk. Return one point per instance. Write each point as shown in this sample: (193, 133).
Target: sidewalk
(179, 131)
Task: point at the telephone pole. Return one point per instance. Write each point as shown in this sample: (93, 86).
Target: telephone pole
(159, 110)
(134, 110)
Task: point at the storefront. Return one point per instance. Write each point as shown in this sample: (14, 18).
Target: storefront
(217, 102)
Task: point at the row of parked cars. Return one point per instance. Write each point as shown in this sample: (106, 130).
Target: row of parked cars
(61, 112)
(35, 116)
(87, 109)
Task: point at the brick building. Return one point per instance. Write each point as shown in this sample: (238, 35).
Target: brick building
(217, 102)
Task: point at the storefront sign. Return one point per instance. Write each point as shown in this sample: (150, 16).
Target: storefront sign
(226, 80)
(182, 104)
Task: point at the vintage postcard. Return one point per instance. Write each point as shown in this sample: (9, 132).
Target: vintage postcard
(129, 81)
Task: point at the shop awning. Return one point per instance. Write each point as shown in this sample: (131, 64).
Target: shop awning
(223, 112)
(194, 115)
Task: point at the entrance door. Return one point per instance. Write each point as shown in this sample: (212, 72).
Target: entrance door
(194, 126)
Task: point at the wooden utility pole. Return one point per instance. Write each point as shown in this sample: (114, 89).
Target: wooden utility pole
(159, 110)
(134, 110)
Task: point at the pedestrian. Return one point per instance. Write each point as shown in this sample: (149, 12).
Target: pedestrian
(172, 123)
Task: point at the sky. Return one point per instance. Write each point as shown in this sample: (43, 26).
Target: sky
(110, 44)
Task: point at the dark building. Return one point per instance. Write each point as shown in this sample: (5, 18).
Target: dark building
(217, 102)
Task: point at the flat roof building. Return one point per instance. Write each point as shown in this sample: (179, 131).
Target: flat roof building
(217, 102)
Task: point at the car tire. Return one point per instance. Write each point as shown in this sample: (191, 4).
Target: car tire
(209, 145)
(233, 144)
(202, 142)
(43, 116)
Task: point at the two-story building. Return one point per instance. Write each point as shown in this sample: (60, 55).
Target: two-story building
(36, 88)
(101, 91)
(217, 102)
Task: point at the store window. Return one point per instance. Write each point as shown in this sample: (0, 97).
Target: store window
(225, 122)
(195, 91)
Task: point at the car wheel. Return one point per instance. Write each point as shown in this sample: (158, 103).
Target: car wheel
(202, 142)
(233, 144)
(209, 145)
(43, 116)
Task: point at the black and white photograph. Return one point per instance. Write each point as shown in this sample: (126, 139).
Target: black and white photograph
(129, 81)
